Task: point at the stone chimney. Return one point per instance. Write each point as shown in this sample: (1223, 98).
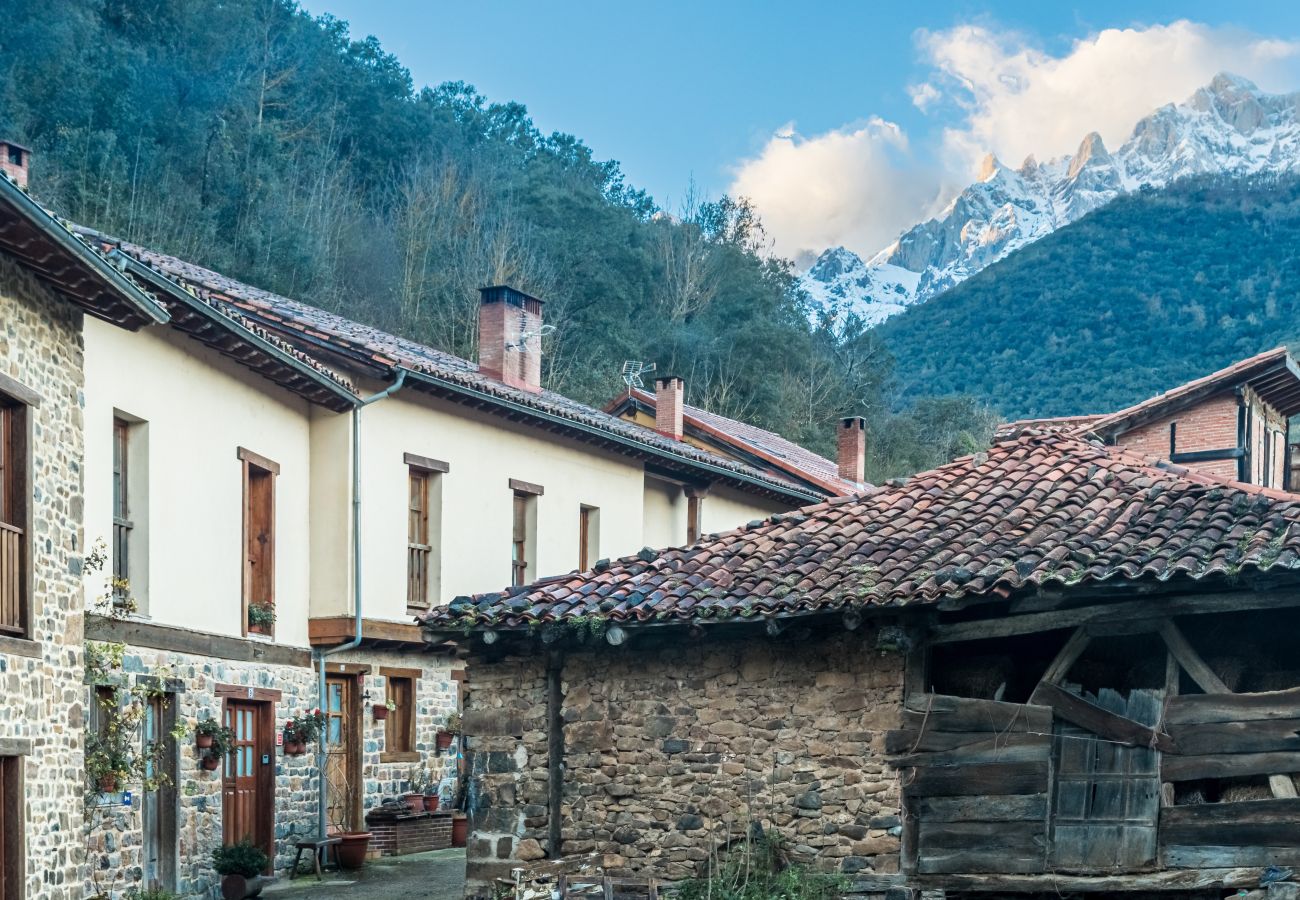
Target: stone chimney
(510, 337)
(669, 401)
(851, 443)
(15, 160)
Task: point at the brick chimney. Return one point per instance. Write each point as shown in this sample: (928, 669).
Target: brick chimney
(15, 160)
(669, 400)
(851, 444)
(510, 337)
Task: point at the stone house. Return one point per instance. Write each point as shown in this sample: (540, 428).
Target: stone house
(224, 466)
(51, 283)
(1050, 667)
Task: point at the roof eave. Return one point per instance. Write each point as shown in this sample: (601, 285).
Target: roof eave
(346, 399)
(626, 443)
(148, 311)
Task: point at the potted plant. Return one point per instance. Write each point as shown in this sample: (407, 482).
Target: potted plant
(383, 709)
(301, 731)
(261, 617)
(424, 789)
(447, 733)
(240, 867)
(353, 845)
(220, 740)
(109, 760)
(204, 732)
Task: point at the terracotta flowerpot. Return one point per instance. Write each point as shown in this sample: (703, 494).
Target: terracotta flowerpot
(108, 784)
(414, 802)
(381, 712)
(444, 739)
(211, 762)
(294, 748)
(351, 851)
(203, 741)
(430, 802)
(237, 887)
(459, 831)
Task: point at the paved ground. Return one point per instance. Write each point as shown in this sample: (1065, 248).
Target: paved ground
(439, 875)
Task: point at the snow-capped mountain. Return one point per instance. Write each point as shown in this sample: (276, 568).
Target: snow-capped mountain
(1229, 126)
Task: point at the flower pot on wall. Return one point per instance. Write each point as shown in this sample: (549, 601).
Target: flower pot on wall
(294, 748)
(211, 762)
(459, 830)
(108, 784)
(414, 802)
(203, 741)
(430, 802)
(444, 739)
(381, 712)
(351, 851)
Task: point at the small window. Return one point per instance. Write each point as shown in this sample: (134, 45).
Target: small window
(15, 156)
(399, 727)
(423, 537)
(122, 524)
(588, 537)
(694, 516)
(519, 546)
(14, 494)
(259, 543)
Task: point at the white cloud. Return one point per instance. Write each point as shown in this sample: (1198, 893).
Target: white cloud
(857, 186)
(1018, 100)
(862, 184)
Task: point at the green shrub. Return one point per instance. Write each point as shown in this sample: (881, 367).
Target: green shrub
(759, 870)
(239, 859)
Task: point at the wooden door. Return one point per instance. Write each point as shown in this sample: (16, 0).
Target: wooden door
(247, 784)
(1107, 795)
(158, 808)
(342, 764)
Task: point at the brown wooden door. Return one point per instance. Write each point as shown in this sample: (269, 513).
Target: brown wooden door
(342, 764)
(158, 807)
(247, 785)
(1107, 796)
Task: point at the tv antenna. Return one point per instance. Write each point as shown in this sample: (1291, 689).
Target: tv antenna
(521, 342)
(633, 370)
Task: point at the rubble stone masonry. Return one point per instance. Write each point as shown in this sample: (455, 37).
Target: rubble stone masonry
(41, 693)
(672, 746)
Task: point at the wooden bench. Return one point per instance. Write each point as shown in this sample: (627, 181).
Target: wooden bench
(317, 847)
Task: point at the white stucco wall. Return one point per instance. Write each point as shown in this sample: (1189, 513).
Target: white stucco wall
(663, 522)
(199, 408)
(483, 453)
(725, 509)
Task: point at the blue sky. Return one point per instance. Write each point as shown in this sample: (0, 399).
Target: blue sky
(675, 90)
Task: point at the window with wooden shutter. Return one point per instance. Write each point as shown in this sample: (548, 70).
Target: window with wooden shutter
(588, 537)
(519, 541)
(121, 511)
(14, 500)
(259, 542)
(418, 545)
(399, 727)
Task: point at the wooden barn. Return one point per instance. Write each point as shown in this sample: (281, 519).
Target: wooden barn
(1058, 667)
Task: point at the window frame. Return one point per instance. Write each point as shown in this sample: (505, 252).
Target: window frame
(13, 853)
(258, 470)
(122, 523)
(400, 731)
(588, 536)
(17, 405)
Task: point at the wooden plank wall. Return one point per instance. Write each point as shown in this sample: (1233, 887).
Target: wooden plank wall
(975, 776)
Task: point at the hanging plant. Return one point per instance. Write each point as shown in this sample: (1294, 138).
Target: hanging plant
(302, 730)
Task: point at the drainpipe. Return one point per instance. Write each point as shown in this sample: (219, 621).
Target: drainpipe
(323, 652)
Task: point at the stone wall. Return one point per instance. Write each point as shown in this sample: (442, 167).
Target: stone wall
(40, 681)
(115, 842)
(673, 746)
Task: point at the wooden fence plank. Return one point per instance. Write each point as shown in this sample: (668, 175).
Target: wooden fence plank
(967, 781)
(993, 749)
(1013, 808)
(1111, 726)
(1228, 765)
(1197, 709)
(942, 712)
(1262, 736)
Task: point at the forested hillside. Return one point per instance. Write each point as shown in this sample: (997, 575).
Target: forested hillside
(1150, 291)
(250, 137)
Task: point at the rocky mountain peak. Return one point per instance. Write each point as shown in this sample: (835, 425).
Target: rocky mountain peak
(1228, 126)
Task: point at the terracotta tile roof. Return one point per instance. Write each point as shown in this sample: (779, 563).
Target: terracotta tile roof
(767, 445)
(317, 330)
(1056, 423)
(1273, 374)
(1044, 508)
